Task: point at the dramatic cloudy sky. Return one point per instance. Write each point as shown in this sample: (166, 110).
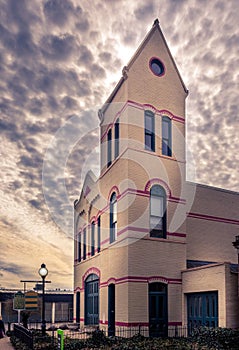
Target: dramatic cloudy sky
(59, 60)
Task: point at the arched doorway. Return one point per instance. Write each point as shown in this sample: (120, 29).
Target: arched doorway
(92, 300)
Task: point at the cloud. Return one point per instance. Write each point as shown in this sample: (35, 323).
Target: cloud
(58, 11)
(145, 11)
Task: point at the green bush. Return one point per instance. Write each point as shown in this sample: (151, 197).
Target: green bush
(217, 338)
(203, 339)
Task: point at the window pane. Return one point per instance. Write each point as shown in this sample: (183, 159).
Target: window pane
(165, 148)
(149, 123)
(156, 206)
(166, 137)
(157, 287)
(117, 138)
(114, 212)
(156, 223)
(99, 234)
(79, 247)
(149, 131)
(92, 239)
(165, 129)
(148, 142)
(109, 136)
(113, 217)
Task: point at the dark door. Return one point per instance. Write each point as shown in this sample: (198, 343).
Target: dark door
(158, 310)
(202, 310)
(111, 309)
(78, 307)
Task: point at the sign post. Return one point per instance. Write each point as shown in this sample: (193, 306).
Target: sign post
(19, 303)
(60, 338)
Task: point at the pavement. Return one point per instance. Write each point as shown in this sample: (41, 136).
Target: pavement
(5, 344)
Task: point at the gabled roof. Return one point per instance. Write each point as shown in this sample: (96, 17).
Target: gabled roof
(89, 182)
(155, 27)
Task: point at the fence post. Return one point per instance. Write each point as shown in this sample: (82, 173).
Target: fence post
(139, 329)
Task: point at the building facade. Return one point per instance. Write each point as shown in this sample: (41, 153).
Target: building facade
(152, 249)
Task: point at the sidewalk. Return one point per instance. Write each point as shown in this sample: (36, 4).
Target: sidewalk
(5, 344)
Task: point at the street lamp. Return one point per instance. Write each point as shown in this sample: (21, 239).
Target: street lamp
(43, 272)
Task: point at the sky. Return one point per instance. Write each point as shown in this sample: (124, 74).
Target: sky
(59, 61)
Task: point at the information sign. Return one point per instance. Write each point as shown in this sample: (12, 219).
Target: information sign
(19, 301)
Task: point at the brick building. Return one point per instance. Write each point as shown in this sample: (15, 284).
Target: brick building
(152, 249)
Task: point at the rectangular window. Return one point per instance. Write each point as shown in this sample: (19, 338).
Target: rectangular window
(99, 234)
(92, 239)
(117, 138)
(166, 137)
(109, 150)
(84, 244)
(149, 135)
(79, 247)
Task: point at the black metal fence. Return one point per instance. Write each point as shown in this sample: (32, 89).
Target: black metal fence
(127, 332)
(72, 332)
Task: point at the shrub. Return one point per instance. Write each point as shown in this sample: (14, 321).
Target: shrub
(217, 338)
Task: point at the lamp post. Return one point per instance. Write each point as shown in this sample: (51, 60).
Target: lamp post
(236, 245)
(43, 272)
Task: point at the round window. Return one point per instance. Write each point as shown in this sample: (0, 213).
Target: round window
(156, 66)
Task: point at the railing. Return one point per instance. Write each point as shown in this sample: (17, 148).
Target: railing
(27, 336)
(128, 332)
(24, 334)
(172, 331)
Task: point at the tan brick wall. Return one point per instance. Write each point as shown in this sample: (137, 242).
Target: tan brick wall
(210, 236)
(138, 302)
(157, 257)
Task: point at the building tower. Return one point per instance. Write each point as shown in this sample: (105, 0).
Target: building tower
(130, 223)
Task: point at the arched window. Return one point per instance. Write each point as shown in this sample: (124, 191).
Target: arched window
(117, 138)
(84, 244)
(113, 217)
(92, 239)
(166, 137)
(98, 234)
(158, 215)
(149, 134)
(92, 300)
(109, 150)
(79, 247)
